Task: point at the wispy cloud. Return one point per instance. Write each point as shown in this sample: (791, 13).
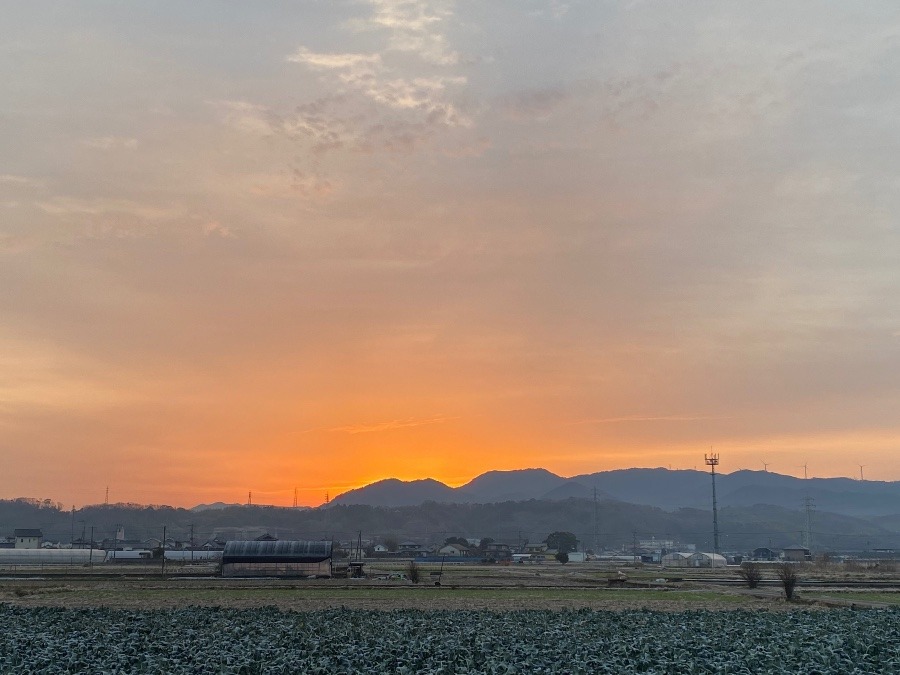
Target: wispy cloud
(21, 181)
(556, 10)
(650, 418)
(352, 62)
(110, 143)
(62, 206)
(247, 117)
(375, 102)
(414, 27)
(391, 425)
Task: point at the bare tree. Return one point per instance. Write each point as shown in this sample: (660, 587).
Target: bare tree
(787, 575)
(413, 572)
(751, 573)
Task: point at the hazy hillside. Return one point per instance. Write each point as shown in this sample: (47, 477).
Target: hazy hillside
(617, 523)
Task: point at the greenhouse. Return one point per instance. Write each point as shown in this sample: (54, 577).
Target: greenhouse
(277, 559)
(676, 559)
(48, 556)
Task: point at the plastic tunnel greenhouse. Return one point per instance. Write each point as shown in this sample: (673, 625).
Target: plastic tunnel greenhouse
(277, 559)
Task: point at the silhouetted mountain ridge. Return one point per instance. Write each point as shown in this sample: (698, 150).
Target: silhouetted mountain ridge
(663, 488)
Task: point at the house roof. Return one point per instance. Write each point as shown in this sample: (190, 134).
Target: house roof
(26, 532)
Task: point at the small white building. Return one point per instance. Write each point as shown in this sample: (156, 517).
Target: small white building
(707, 560)
(28, 538)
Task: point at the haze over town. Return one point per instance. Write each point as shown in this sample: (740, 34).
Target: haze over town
(309, 245)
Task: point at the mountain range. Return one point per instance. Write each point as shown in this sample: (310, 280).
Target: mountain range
(662, 488)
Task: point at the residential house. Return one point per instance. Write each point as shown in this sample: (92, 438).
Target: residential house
(455, 550)
(537, 547)
(765, 554)
(497, 552)
(411, 548)
(28, 538)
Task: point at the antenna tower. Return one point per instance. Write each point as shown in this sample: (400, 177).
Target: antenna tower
(250, 498)
(106, 499)
(295, 498)
(712, 461)
(861, 471)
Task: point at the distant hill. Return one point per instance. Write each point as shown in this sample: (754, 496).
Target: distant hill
(504, 486)
(394, 492)
(662, 488)
(215, 506)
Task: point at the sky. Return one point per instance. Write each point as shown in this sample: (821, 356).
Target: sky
(296, 247)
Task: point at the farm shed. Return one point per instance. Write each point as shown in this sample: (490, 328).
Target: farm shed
(676, 559)
(277, 559)
(707, 560)
(797, 553)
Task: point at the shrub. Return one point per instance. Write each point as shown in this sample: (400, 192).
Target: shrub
(413, 572)
(751, 573)
(787, 575)
(563, 557)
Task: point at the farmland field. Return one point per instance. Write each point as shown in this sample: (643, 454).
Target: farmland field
(266, 640)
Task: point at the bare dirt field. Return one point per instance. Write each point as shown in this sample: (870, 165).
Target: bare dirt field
(553, 587)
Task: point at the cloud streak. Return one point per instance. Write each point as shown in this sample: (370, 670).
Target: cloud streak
(392, 425)
(651, 418)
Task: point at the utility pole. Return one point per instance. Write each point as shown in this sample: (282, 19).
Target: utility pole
(192, 542)
(712, 461)
(91, 554)
(596, 525)
(634, 546)
(164, 552)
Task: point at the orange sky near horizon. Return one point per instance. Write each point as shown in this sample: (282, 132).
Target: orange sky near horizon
(322, 244)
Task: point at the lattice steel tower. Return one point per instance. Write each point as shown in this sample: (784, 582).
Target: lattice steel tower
(712, 461)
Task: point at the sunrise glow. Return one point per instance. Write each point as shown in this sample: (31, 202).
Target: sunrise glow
(311, 246)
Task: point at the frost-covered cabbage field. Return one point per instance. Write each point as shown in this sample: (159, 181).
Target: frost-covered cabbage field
(212, 640)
